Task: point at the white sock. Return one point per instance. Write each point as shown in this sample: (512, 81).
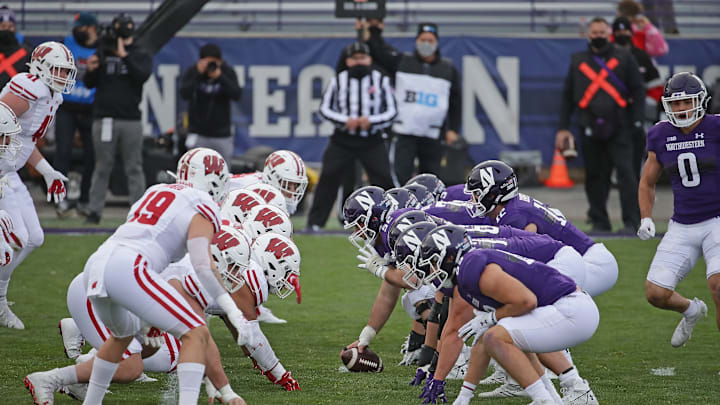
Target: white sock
(538, 392)
(102, 374)
(691, 311)
(567, 355)
(467, 390)
(568, 378)
(278, 371)
(190, 377)
(3, 289)
(67, 375)
(550, 387)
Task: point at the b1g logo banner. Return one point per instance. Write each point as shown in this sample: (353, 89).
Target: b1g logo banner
(510, 87)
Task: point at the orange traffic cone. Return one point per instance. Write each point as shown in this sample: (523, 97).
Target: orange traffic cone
(558, 173)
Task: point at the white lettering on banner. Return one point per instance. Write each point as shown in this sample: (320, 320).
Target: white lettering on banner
(263, 100)
(504, 116)
(307, 105)
(162, 104)
(240, 73)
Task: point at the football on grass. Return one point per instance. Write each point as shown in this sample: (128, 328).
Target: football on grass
(367, 362)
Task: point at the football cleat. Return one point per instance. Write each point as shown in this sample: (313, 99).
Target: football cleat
(73, 340)
(267, 316)
(86, 357)
(544, 402)
(145, 378)
(506, 390)
(75, 391)
(8, 318)
(497, 377)
(684, 329)
(42, 387)
(579, 393)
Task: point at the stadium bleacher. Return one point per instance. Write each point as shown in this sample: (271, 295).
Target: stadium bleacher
(223, 17)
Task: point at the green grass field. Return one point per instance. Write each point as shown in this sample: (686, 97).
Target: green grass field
(633, 338)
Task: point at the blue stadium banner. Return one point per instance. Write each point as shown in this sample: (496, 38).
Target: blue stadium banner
(511, 87)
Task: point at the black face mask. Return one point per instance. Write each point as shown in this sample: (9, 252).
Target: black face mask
(358, 71)
(7, 37)
(622, 39)
(81, 37)
(598, 42)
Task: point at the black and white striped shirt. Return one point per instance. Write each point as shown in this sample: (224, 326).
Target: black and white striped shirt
(370, 96)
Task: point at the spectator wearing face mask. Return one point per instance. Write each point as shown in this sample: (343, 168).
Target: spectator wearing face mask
(427, 91)
(622, 35)
(12, 47)
(75, 113)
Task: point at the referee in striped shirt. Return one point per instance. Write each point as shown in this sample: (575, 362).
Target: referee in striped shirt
(360, 102)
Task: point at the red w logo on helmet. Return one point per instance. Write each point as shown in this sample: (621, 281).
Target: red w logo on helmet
(245, 202)
(225, 240)
(213, 164)
(268, 217)
(279, 248)
(40, 52)
(274, 160)
(267, 195)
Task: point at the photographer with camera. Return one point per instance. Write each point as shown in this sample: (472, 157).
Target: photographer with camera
(117, 71)
(209, 85)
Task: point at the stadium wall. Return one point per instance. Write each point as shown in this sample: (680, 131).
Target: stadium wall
(510, 87)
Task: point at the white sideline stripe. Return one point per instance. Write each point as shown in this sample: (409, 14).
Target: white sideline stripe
(663, 371)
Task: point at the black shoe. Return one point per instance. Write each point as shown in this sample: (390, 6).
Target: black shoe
(597, 228)
(627, 230)
(92, 219)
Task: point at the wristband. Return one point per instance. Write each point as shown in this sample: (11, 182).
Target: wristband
(366, 336)
(44, 168)
(227, 393)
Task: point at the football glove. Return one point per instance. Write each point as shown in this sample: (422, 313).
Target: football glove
(152, 336)
(246, 335)
(477, 326)
(7, 228)
(420, 375)
(371, 261)
(211, 391)
(436, 393)
(54, 181)
(647, 229)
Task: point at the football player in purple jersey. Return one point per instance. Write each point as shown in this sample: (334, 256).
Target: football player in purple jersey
(494, 194)
(524, 307)
(455, 193)
(687, 147)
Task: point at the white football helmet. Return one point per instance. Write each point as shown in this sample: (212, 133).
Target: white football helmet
(10, 142)
(230, 251)
(237, 205)
(267, 218)
(285, 170)
(280, 260)
(204, 169)
(54, 64)
(271, 194)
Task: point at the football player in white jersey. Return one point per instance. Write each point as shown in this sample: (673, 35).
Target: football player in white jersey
(284, 170)
(85, 325)
(123, 279)
(34, 97)
(273, 269)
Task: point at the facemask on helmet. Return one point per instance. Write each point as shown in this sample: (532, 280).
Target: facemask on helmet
(285, 170)
(280, 259)
(685, 86)
(204, 169)
(364, 211)
(10, 142)
(230, 251)
(490, 183)
(54, 64)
